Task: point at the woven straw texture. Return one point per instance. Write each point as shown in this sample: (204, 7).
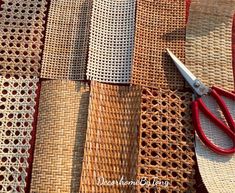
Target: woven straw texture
(60, 137)
(166, 153)
(111, 141)
(17, 97)
(209, 43)
(111, 41)
(21, 29)
(159, 25)
(67, 37)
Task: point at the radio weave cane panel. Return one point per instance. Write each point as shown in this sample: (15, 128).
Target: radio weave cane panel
(166, 152)
(21, 29)
(67, 37)
(111, 41)
(60, 137)
(209, 41)
(17, 97)
(159, 25)
(111, 140)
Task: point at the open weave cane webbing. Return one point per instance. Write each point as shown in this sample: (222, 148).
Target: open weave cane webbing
(111, 41)
(21, 29)
(159, 25)
(17, 101)
(111, 140)
(60, 138)
(67, 37)
(166, 151)
(209, 41)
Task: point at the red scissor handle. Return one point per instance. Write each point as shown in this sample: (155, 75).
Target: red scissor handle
(229, 129)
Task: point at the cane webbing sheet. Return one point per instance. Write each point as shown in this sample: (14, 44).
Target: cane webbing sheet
(17, 97)
(209, 41)
(67, 37)
(159, 25)
(166, 152)
(111, 141)
(60, 138)
(111, 41)
(21, 29)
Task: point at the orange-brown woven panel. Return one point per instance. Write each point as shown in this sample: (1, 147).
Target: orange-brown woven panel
(111, 141)
(166, 153)
(21, 29)
(67, 37)
(60, 138)
(159, 25)
(17, 96)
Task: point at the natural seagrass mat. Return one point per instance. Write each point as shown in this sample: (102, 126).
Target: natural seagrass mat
(60, 138)
(21, 40)
(111, 41)
(17, 95)
(166, 148)
(111, 142)
(159, 25)
(67, 37)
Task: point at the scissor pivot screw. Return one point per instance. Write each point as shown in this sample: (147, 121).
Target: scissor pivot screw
(197, 83)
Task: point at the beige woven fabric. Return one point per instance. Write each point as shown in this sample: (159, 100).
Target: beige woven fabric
(111, 41)
(111, 140)
(209, 41)
(21, 29)
(60, 138)
(17, 96)
(67, 37)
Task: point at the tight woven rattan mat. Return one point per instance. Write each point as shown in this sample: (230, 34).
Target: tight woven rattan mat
(67, 37)
(111, 140)
(60, 137)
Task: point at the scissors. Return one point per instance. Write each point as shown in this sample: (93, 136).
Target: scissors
(201, 90)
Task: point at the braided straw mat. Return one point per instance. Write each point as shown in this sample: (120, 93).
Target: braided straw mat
(67, 37)
(111, 140)
(159, 25)
(111, 41)
(60, 137)
(21, 29)
(17, 95)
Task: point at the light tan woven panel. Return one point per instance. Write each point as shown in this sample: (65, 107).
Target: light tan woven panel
(21, 29)
(111, 41)
(60, 138)
(67, 37)
(111, 141)
(209, 41)
(166, 153)
(159, 25)
(17, 97)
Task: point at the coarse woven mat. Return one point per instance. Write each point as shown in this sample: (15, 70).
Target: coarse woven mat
(67, 37)
(159, 25)
(21, 29)
(17, 95)
(60, 138)
(166, 149)
(209, 41)
(111, 141)
(111, 41)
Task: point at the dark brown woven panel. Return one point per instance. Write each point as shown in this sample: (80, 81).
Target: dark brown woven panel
(166, 151)
(159, 25)
(111, 140)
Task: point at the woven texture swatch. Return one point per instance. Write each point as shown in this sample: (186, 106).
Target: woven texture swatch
(111, 141)
(60, 138)
(159, 25)
(111, 41)
(67, 37)
(21, 29)
(166, 153)
(209, 41)
(17, 97)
